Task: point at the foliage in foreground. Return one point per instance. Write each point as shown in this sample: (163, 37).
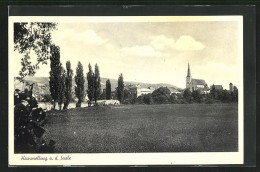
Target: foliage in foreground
(28, 125)
(36, 37)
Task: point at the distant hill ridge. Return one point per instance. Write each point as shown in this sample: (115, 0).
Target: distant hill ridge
(45, 81)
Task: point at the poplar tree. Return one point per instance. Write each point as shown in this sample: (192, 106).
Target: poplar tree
(97, 86)
(54, 73)
(120, 88)
(61, 90)
(90, 79)
(79, 88)
(68, 85)
(108, 90)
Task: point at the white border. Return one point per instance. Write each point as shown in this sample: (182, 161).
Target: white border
(205, 158)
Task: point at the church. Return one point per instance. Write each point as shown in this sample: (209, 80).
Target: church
(195, 84)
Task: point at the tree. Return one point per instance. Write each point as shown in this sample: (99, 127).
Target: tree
(90, 79)
(145, 99)
(97, 86)
(47, 98)
(103, 95)
(29, 121)
(187, 95)
(196, 94)
(213, 92)
(148, 99)
(79, 88)
(61, 90)
(174, 98)
(133, 98)
(108, 90)
(161, 95)
(120, 88)
(224, 96)
(55, 73)
(68, 85)
(235, 94)
(127, 94)
(33, 37)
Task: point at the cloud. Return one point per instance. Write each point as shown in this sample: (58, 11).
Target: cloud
(188, 43)
(161, 42)
(144, 50)
(88, 37)
(184, 43)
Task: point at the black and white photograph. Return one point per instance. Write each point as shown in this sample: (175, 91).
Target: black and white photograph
(125, 90)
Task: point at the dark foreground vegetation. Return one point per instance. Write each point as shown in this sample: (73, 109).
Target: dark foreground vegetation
(29, 120)
(145, 128)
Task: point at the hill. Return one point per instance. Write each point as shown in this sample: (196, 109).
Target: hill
(44, 82)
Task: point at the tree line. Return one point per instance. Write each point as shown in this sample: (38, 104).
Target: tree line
(163, 95)
(61, 88)
(60, 83)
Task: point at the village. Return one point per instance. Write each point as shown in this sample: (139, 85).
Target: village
(41, 90)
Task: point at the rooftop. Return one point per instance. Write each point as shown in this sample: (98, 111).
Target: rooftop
(198, 81)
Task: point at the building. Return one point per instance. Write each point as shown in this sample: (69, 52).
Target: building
(231, 87)
(138, 90)
(195, 84)
(217, 87)
(174, 90)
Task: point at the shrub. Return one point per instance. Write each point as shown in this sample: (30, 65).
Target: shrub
(187, 95)
(161, 95)
(28, 123)
(47, 98)
(140, 99)
(147, 99)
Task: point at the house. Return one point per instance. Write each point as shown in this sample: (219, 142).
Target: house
(217, 87)
(174, 90)
(138, 90)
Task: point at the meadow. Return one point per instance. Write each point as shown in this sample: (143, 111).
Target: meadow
(145, 128)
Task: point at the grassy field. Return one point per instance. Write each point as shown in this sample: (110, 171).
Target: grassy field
(145, 128)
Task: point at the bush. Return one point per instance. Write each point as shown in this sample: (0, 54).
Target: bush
(187, 95)
(161, 95)
(47, 98)
(140, 99)
(147, 99)
(28, 123)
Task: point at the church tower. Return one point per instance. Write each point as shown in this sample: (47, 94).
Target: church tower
(188, 78)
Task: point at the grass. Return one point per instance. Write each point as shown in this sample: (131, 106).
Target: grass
(145, 128)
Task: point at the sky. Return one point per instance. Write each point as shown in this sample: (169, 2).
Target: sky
(151, 52)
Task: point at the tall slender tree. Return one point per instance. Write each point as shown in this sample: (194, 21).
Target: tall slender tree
(68, 85)
(79, 88)
(61, 90)
(97, 85)
(120, 88)
(55, 73)
(108, 90)
(90, 79)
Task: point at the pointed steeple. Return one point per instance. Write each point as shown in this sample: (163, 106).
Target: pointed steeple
(188, 74)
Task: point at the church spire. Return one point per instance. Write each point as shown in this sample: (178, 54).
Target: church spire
(188, 74)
